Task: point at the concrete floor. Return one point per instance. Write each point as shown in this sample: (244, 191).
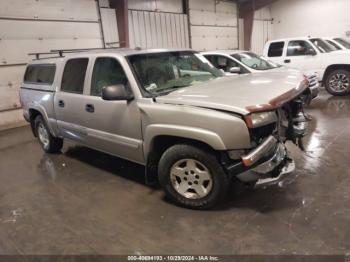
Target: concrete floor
(86, 202)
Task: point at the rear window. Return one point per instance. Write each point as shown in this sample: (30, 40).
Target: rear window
(74, 75)
(276, 49)
(40, 74)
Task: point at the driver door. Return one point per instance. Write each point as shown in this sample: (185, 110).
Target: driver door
(298, 56)
(112, 126)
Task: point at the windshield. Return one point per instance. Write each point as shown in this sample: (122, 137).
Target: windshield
(343, 42)
(254, 61)
(322, 46)
(333, 44)
(162, 73)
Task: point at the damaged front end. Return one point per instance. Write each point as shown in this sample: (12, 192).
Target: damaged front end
(268, 161)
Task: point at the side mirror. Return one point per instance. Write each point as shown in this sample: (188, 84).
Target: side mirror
(235, 70)
(116, 92)
(311, 52)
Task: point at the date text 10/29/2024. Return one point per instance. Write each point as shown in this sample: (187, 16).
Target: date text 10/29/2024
(173, 258)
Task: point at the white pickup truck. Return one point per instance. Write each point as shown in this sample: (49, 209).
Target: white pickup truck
(313, 54)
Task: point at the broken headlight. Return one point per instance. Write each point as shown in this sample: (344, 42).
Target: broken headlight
(260, 119)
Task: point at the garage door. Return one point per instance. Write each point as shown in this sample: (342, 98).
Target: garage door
(148, 29)
(213, 24)
(38, 26)
(262, 30)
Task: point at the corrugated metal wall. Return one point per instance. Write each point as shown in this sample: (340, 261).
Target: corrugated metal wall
(214, 24)
(158, 24)
(170, 6)
(39, 26)
(158, 29)
(262, 30)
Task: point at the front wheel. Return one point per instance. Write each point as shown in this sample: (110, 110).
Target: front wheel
(338, 82)
(48, 142)
(192, 177)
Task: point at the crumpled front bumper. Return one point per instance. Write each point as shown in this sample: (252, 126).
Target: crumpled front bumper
(267, 163)
(314, 85)
(314, 90)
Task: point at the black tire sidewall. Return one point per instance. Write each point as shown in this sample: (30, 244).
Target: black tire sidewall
(39, 120)
(220, 179)
(330, 76)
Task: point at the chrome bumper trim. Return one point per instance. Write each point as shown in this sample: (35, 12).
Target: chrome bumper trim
(287, 169)
(262, 171)
(314, 90)
(273, 162)
(262, 150)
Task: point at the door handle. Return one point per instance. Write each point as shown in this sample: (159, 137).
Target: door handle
(90, 108)
(287, 61)
(61, 103)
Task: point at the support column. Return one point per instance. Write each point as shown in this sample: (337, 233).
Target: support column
(121, 8)
(246, 11)
(248, 19)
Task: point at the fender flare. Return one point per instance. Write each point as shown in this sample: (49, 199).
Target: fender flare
(205, 136)
(42, 111)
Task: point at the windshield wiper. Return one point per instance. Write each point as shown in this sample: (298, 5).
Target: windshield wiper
(170, 89)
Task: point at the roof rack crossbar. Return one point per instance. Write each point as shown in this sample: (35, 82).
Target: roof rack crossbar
(60, 52)
(80, 49)
(37, 55)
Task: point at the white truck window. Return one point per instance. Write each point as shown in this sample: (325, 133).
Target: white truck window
(40, 74)
(276, 49)
(74, 75)
(333, 44)
(343, 42)
(298, 48)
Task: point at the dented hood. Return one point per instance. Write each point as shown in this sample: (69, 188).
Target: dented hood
(239, 94)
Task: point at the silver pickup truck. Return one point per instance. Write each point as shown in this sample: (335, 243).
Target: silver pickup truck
(193, 129)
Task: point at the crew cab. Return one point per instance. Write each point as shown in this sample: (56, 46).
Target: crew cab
(234, 62)
(194, 129)
(313, 54)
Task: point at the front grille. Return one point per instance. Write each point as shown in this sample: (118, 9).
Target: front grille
(259, 133)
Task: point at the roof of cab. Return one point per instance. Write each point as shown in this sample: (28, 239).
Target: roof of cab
(105, 51)
(292, 38)
(224, 51)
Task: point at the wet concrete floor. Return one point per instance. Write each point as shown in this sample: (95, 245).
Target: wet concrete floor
(86, 202)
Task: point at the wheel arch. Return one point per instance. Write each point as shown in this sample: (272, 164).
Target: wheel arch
(331, 68)
(33, 113)
(160, 139)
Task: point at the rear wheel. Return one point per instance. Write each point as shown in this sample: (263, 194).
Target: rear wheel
(49, 143)
(338, 82)
(192, 177)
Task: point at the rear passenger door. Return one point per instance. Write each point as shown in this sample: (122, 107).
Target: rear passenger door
(112, 126)
(69, 100)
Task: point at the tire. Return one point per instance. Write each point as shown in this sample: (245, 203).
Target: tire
(338, 82)
(203, 181)
(49, 143)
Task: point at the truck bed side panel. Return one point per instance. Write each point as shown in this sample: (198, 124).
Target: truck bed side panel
(42, 101)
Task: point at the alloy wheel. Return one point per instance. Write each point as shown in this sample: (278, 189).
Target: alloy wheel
(339, 83)
(43, 134)
(191, 179)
